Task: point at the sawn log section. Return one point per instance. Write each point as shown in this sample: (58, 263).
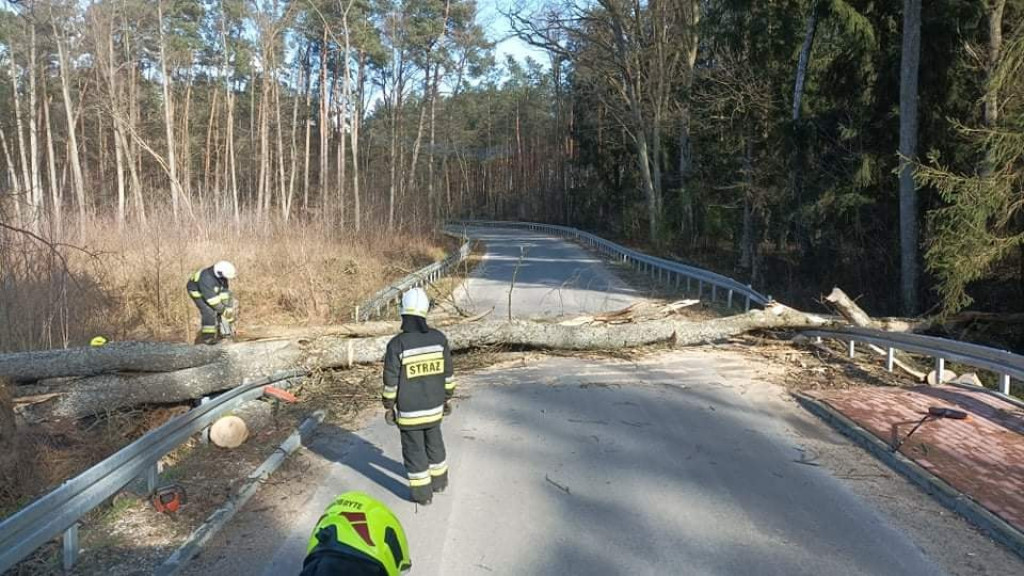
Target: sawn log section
(231, 364)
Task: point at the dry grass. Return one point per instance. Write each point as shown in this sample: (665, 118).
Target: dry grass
(37, 458)
(131, 284)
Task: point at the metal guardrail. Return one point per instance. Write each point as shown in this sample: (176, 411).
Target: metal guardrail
(427, 275)
(60, 510)
(1006, 364)
(660, 268)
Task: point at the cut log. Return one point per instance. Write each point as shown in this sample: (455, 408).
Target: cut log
(114, 357)
(968, 379)
(9, 452)
(947, 377)
(244, 422)
(98, 394)
(229, 432)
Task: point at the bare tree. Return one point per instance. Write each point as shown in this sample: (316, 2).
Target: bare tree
(177, 196)
(72, 132)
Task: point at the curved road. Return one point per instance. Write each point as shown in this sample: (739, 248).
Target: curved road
(680, 463)
(552, 278)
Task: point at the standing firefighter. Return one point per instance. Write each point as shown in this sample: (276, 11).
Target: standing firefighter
(418, 387)
(209, 290)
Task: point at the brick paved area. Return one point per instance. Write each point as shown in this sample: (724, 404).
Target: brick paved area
(982, 457)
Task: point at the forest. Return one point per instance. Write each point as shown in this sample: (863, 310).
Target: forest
(794, 145)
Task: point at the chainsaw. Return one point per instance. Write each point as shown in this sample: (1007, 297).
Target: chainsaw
(934, 413)
(226, 326)
(169, 499)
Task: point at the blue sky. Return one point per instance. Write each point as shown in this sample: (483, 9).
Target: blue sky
(490, 17)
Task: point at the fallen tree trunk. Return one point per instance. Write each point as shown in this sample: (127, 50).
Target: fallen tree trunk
(355, 330)
(147, 357)
(98, 394)
(848, 309)
(8, 437)
(113, 357)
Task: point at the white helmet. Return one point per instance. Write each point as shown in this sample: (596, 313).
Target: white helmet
(415, 303)
(224, 269)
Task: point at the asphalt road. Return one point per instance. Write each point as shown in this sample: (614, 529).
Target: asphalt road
(678, 464)
(553, 277)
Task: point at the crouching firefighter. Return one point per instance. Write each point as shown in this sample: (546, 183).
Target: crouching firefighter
(209, 290)
(418, 388)
(357, 536)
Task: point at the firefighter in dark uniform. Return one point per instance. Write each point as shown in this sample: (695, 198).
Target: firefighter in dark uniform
(209, 290)
(418, 388)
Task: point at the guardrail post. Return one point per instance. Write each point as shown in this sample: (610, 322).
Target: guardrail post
(355, 316)
(1004, 384)
(700, 289)
(204, 434)
(714, 292)
(678, 280)
(728, 303)
(688, 284)
(746, 307)
(890, 358)
(940, 369)
(152, 478)
(70, 546)
(853, 348)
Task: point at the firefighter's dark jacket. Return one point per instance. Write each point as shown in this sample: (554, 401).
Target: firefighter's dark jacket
(418, 378)
(206, 286)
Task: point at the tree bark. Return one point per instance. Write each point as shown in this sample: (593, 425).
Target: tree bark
(8, 438)
(113, 357)
(805, 59)
(102, 393)
(324, 129)
(172, 165)
(995, 50)
(36, 195)
(309, 128)
(26, 182)
(357, 118)
(909, 65)
(56, 195)
(229, 101)
(849, 310)
(77, 180)
(12, 172)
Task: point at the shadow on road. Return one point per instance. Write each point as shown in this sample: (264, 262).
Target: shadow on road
(657, 471)
(352, 451)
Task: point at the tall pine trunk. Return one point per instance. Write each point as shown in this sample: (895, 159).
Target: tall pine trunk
(909, 64)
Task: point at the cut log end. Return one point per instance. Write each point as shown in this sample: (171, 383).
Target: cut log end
(947, 377)
(229, 432)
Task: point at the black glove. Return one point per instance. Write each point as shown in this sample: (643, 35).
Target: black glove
(389, 416)
(448, 407)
